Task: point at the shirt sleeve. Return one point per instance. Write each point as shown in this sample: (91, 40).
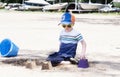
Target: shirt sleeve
(79, 37)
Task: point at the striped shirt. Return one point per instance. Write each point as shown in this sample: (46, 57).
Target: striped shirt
(70, 37)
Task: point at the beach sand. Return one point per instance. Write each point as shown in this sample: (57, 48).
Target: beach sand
(37, 33)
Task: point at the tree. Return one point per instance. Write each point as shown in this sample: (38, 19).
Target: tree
(12, 1)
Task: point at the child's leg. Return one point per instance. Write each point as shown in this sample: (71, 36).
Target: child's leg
(55, 59)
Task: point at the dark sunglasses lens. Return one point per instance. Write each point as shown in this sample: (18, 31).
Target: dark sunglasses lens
(69, 26)
(64, 26)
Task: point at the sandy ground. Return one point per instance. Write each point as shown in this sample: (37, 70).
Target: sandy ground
(36, 34)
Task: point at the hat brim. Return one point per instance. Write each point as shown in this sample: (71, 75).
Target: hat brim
(66, 23)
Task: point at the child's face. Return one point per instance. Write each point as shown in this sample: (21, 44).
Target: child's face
(68, 27)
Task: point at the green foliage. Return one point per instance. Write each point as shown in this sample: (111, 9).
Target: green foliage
(12, 1)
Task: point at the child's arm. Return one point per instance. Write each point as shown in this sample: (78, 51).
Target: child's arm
(82, 55)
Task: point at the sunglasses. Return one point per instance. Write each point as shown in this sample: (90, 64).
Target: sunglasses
(69, 26)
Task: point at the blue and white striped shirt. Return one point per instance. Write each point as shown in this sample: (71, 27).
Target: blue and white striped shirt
(70, 37)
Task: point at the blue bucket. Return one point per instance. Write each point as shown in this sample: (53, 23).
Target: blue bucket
(8, 48)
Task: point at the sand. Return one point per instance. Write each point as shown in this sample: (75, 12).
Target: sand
(36, 34)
